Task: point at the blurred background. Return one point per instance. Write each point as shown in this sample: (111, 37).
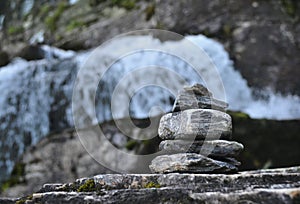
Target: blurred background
(255, 45)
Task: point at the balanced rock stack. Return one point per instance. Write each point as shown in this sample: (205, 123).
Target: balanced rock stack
(196, 136)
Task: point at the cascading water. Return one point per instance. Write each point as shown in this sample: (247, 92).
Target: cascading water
(36, 96)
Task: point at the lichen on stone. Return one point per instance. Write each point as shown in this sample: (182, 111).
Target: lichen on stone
(88, 186)
(24, 199)
(152, 184)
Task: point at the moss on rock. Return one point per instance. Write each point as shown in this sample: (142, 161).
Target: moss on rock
(88, 186)
(75, 24)
(131, 144)
(44, 10)
(24, 199)
(15, 178)
(127, 4)
(13, 30)
(51, 20)
(238, 115)
(152, 184)
(150, 11)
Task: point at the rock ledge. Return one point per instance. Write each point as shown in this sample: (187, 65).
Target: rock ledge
(263, 186)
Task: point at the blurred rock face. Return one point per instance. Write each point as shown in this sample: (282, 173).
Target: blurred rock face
(262, 37)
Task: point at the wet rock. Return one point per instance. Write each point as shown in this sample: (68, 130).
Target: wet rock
(195, 124)
(31, 52)
(4, 58)
(217, 148)
(189, 162)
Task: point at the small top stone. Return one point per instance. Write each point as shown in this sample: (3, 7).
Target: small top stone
(197, 89)
(197, 97)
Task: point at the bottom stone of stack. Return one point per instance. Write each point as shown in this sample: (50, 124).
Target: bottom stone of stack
(190, 163)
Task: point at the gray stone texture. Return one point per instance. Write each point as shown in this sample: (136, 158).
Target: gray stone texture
(197, 97)
(263, 186)
(218, 148)
(189, 162)
(195, 124)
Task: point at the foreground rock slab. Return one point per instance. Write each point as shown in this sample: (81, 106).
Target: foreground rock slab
(189, 162)
(263, 186)
(196, 124)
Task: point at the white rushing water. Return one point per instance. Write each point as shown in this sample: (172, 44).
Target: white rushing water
(36, 96)
(239, 94)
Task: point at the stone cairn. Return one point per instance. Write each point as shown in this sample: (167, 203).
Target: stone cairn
(196, 136)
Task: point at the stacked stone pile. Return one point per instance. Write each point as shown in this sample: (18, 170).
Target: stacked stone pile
(197, 136)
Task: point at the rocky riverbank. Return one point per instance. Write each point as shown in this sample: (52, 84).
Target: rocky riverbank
(264, 141)
(263, 186)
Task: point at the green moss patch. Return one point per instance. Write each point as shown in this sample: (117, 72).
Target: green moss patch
(131, 144)
(88, 186)
(238, 115)
(12, 30)
(15, 178)
(24, 199)
(75, 24)
(152, 184)
(51, 20)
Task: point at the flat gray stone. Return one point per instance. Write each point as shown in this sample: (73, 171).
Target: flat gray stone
(195, 97)
(196, 124)
(190, 163)
(263, 186)
(218, 148)
(185, 102)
